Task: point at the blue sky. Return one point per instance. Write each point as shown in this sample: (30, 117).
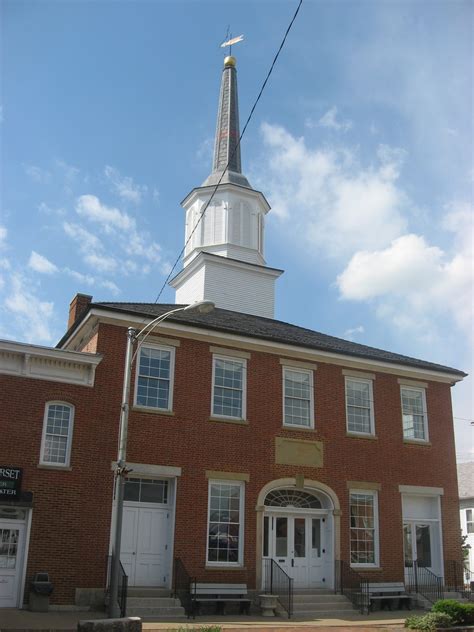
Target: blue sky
(362, 143)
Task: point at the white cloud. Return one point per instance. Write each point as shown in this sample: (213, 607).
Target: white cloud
(41, 264)
(413, 283)
(336, 204)
(90, 281)
(330, 121)
(124, 186)
(86, 240)
(48, 210)
(3, 237)
(91, 207)
(37, 174)
(32, 315)
(100, 262)
(350, 333)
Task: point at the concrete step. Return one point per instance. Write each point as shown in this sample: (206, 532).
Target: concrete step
(152, 602)
(323, 605)
(325, 614)
(148, 591)
(326, 598)
(169, 613)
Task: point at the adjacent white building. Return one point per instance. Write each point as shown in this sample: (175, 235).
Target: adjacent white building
(466, 506)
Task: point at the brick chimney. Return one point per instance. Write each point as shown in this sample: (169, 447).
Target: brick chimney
(77, 307)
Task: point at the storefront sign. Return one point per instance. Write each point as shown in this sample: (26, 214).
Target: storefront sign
(10, 482)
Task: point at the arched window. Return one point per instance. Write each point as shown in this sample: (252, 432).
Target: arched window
(57, 434)
(292, 498)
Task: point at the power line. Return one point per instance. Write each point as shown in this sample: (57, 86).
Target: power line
(233, 153)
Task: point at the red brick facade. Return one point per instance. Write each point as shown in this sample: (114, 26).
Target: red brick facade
(71, 516)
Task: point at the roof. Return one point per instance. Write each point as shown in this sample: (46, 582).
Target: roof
(269, 329)
(466, 479)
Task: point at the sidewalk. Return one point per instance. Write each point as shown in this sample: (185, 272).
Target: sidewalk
(12, 619)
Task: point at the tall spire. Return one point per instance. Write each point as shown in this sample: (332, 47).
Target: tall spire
(226, 143)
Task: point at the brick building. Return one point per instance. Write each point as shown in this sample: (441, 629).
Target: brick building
(249, 439)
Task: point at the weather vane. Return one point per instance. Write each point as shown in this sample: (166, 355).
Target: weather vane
(229, 40)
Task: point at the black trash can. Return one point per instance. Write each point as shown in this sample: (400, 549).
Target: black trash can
(40, 591)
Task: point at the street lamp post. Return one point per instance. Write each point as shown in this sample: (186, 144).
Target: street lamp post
(203, 307)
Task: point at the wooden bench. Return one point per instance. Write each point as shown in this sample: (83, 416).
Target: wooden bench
(386, 593)
(220, 594)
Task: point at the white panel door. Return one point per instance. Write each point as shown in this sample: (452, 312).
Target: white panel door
(145, 545)
(152, 547)
(11, 554)
(129, 541)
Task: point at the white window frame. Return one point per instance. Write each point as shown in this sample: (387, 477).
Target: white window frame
(470, 522)
(374, 494)
(240, 484)
(347, 379)
(159, 347)
(421, 390)
(241, 361)
(69, 434)
(288, 367)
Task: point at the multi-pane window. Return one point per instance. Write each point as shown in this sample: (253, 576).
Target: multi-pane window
(225, 528)
(146, 490)
(363, 528)
(228, 387)
(415, 422)
(469, 521)
(359, 406)
(57, 433)
(155, 370)
(298, 397)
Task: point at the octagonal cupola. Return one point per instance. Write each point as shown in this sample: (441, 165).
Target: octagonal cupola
(224, 255)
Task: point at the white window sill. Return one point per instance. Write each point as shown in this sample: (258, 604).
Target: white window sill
(362, 567)
(227, 567)
(54, 466)
(417, 442)
(155, 411)
(361, 435)
(230, 420)
(295, 427)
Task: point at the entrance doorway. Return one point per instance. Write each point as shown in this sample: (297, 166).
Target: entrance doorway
(296, 542)
(146, 549)
(12, 555)
(298, 533)
(418, 544)
(422, 532)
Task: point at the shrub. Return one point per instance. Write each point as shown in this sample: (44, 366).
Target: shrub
(457, 611)
(429, 622)
(468, 613)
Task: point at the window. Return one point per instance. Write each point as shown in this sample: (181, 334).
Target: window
(298, 406)
(359, 406)
(146, 490)
(228, 387)
(57, 434)
(415, 420)
(469, 521)
(225, 523)
(154, 382)
(363, 528)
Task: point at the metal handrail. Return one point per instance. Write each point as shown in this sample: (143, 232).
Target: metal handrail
(182, 582)
(353, 586)
(122, 592)
(423, 581)
(277, 582)
(459, 578)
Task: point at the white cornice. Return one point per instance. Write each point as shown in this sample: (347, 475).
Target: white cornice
(206, 192)
(205, 258)
(252, 344)
(46, 363)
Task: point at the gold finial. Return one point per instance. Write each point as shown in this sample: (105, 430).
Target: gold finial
(230, 61)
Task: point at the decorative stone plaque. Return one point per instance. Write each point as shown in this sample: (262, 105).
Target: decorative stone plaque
(298, 452)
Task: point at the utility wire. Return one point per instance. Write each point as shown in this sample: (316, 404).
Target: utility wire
(233, 153)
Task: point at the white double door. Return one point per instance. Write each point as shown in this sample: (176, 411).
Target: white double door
(12, 544)
(146, 544)
(297, 543)
(421, 543)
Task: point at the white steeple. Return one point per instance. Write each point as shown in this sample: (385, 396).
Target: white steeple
(224, 259)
